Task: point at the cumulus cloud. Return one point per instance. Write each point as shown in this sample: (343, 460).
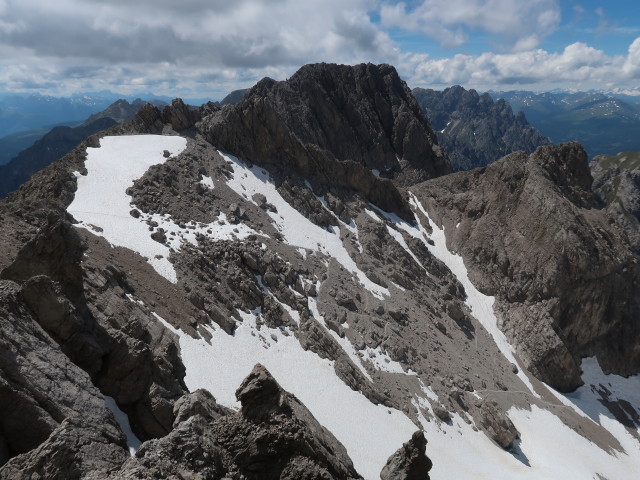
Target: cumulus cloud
(515, 25)
(188, 40)
(578, 65)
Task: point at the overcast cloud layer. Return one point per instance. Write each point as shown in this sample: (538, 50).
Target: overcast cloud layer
(200, 48)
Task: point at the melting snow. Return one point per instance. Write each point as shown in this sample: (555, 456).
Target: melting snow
(481, 305)
(370, 433)
(207, 182)
(297, 230)
(123, 420)
(102, 206)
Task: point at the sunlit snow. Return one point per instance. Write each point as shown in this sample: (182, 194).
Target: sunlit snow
(370, 433)
(102, 206)
(296, 229)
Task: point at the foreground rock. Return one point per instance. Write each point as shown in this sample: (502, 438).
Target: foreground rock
(410, 462)
(272, 437)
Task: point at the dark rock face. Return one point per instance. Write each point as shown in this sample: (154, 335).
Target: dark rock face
(410, 461)
(567, 281)
(144, 380)
(273, 437)
(616, 184)
(333, 124)
(473, 129)
(178, 115)
(44, 397)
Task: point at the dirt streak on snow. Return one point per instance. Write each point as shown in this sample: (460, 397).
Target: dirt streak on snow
(296, 229)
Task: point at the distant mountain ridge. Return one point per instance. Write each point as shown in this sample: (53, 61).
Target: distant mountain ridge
(473, 129)
(61, 140)
(602, 123)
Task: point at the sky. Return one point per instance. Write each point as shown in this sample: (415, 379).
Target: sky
(205, 48)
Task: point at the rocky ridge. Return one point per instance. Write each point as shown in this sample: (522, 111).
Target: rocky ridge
(473, 129)
(567, 291)
(616, 184)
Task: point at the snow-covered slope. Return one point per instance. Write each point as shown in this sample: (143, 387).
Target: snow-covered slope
(218, 361)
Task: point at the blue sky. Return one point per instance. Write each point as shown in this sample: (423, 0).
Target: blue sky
(205, 48)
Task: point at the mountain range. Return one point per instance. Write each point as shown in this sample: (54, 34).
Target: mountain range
(298, 285)
(603, 123)
(475, 130)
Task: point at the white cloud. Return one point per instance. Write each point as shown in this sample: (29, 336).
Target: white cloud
(167, 43)
(520, 25)
(578, 65)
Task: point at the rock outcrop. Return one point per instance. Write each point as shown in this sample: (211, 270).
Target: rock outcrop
(616, 184)
(567, 282)
(309, 123)
(272, 437)
(410, 462)
(473, 129)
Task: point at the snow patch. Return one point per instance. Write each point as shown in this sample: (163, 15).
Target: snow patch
(370, 433)
(133, 442)
(296, 229)
(344, 342)
(101, 204)
(207, 182)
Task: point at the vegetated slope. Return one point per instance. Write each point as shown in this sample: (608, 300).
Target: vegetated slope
(192, 265)
(602, 123)
(617, 185)
(473, 129)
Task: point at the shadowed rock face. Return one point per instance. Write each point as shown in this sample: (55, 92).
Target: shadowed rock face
(566, 280)
(272, 437)
(409, 462)
(616, 184)
(333, 124)
(473, 129)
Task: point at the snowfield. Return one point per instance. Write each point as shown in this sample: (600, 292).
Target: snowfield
(370, 433)
(102, 206)
(296, 229)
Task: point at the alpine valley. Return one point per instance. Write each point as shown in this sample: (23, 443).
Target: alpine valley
(296, 285)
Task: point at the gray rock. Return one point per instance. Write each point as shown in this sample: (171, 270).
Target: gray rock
(410, 462)
(473, 129)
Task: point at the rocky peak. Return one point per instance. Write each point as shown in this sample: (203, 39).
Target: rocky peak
(473, 129)
(178, 115)
(334, 125)
(259, 393)
(566, 166)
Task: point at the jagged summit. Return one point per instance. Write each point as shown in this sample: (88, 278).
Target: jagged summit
(335, 123)
(473, 129)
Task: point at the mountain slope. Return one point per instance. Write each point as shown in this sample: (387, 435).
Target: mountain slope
(617, 186)
(191, 265)
(602, 123)
(59, 141)
(474, 130)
